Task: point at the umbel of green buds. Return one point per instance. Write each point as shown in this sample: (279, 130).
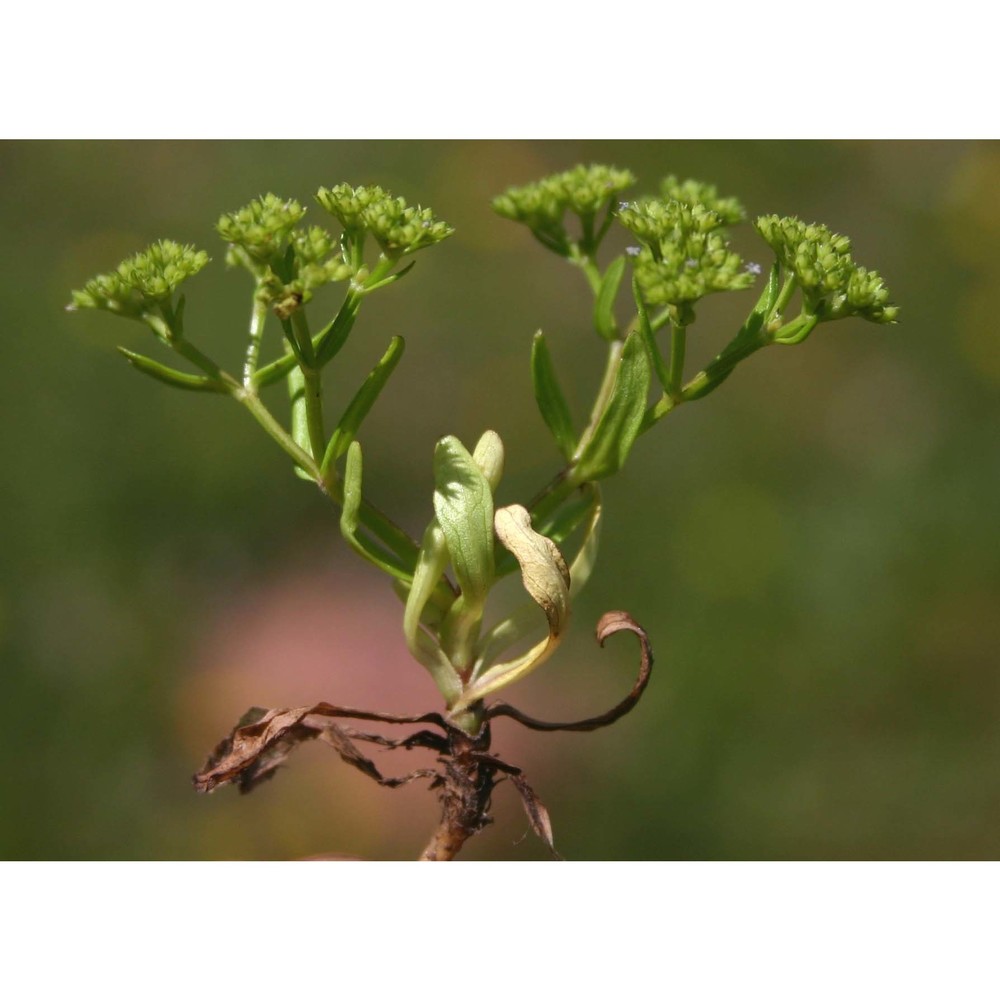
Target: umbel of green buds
(583, 191)
(141, 282)
(685, 253)
(693, 192)
(832, 284)
(396, 227)
(261, 229)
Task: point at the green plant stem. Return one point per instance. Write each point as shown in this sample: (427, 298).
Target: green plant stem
(258, 315)
(313, 388)
(603, 395)
(714, 374)
(678, 347)
(659, 410)
(586, 264)
(787, 289)
(379, 524)
(266, 419)
(202, 361)
(373, 520)
(660, 319)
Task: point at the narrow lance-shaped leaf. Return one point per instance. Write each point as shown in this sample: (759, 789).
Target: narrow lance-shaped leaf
(170, 376)
(551, 402)
(364, 399)
(751, 337)
(463, 502)
(645, 329)
(546, 578)
(299, 416)
(333, 337)
(423, 646)
(583, 562)
(621, 421)
(350, 520)
(604, 303)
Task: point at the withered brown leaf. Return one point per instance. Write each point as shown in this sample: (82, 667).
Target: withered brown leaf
(610, 623)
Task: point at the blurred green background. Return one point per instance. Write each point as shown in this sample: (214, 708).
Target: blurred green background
(813, 549)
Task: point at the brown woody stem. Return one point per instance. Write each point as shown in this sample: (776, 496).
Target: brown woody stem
(466, 786)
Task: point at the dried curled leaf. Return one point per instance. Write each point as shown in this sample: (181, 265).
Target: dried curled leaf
(547, 580)
(538, 815)
(262, 740)
(610, 623)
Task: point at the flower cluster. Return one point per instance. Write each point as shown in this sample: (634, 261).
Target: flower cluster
(693, 192)
(398, 228)
(685, 255)
(314, 260)
(289, 263)
(261, 228)
(832, 284)
(584, 190)
(659, 223)
(143, 281)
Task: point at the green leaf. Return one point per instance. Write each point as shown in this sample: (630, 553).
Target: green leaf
(463, 503)
(751, 337)
(621, 421)
(299, 417)
(551, 402)
(170, 376)
(364, 399)
(350, 521)
(334, 336)
(325, 345)
(424, 647)
(604, 304)
(489, 456)
(769, 296)
(375, 286)
(649, 340)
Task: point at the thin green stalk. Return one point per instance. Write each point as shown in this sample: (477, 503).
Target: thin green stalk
(587, 265)
(659, 410)
(187, 350)
(378, 274)
(258, 315)
(714, 374)
(313, 387)
(266, 419)
(603, 394)
(783, 298)
(380, 525)
(678, 347)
